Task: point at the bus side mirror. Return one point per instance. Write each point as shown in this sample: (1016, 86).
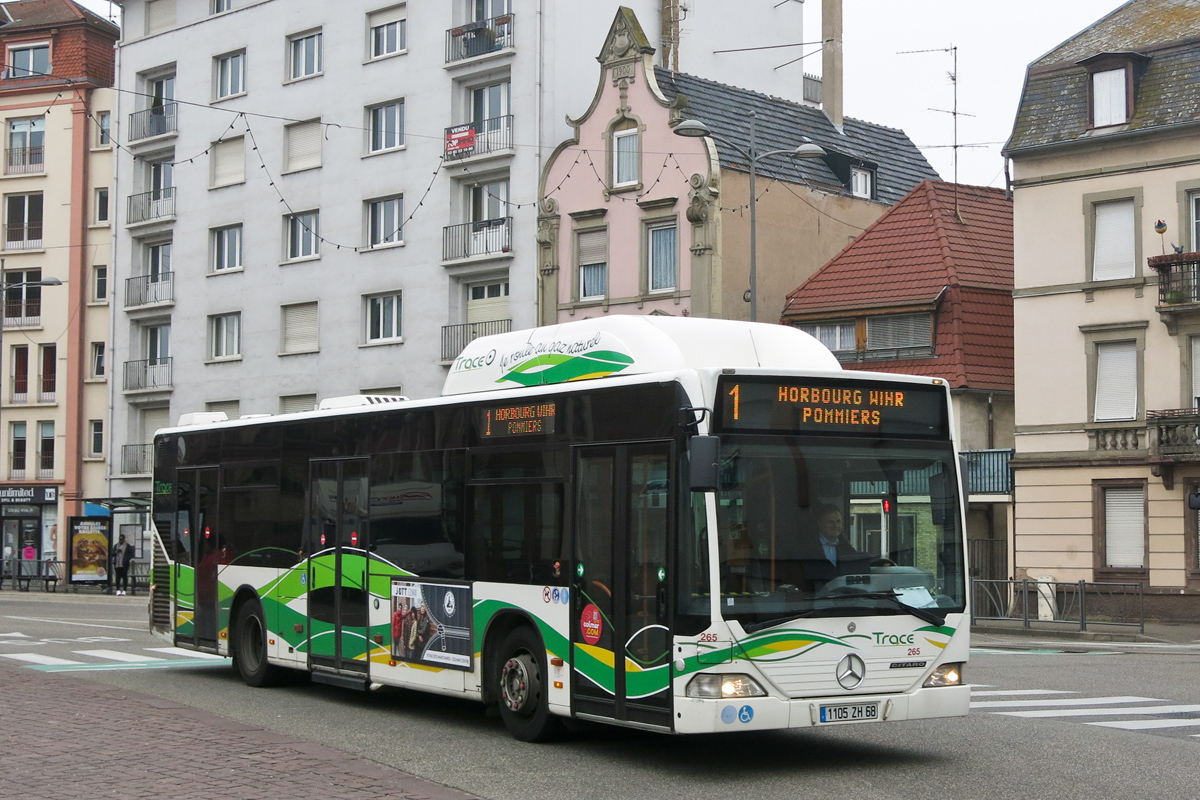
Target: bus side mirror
(1194, 501)
(705, 463)
(941, 499)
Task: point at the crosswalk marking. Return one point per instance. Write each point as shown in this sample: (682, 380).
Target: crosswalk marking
(1016, 692)
(1149, 724)
(1104, 712)
(117, 655)
(38, 658)
(179, 651)
(1074, 701)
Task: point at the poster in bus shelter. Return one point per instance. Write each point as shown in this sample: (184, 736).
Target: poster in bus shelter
(431, 623)
(88, 552)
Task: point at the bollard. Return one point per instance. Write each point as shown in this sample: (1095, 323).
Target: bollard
(1083, 605)
(1025, 604)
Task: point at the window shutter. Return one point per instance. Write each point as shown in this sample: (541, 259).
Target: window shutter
(297, 403)
(229, 162)
(901, 330)
(1125, 528)
(593, 247)
(304, 145)
(160, 15)
(231, 408)
(1113, 250)
(152, 420)
(1116, 381)
(1108, 98)
(394, 14)
(300, 328)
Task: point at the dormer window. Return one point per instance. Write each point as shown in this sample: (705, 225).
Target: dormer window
(1109, 97)
(862, 182)
(31, 61)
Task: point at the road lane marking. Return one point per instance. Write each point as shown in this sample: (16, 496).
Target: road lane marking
(1017, 692)
(1074, 701)
(179, 651)
(1103, 712)
(117, 655)
(174, 663)
(38, 658)
(144, 629)
(1149, 724)
(15, 635)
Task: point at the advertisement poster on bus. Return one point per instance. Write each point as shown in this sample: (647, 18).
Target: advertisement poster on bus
(88, 553)
(431, 623)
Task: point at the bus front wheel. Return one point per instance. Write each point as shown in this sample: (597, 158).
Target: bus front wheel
(522, 688)
(250, 647)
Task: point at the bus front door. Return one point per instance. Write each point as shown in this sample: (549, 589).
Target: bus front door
(337, 566)
(197, 557)
(620, 604)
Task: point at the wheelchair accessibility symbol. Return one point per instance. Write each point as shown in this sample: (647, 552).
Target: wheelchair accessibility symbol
(746, 714)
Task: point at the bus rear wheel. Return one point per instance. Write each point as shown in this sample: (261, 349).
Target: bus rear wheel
(250, 647)
(522, 688)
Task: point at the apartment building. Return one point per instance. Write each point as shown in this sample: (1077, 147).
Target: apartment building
(1106, 179)
(326, 199)
(56, 111)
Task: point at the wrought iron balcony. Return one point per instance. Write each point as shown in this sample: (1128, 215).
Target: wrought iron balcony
(155, 121)
(23, 236)
(481, 238)
(137, 459)
(146, 290)
(25, 160)
(156, 204)
(479, 138)
(1174, 434)
(150, 373)
(479, 38)
(455, 338)
(1178, 279)
(988, 471)
(23, 315)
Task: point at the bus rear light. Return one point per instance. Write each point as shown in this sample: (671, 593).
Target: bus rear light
(715, 687)
(945, 675)
(556, 662)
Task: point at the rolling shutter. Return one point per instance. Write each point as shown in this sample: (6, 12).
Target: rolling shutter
(1125, 527)
(901, 330)
(300, 328)
(1113, 250)
(304, 145)
(297, 403)
(1116, 381)
(160, 15)
(231, 408)
(229, 162)
(152, 420)
(394, 14)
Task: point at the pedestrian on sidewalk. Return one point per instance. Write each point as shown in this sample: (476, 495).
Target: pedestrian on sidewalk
(121, 558)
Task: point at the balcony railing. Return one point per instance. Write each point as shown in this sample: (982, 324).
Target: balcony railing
(25, 160)
(155, 204)
(988, 471)
(1175, 434)
(146, 290)
(137, 459)
(152, 122)
(477, 238)
(479, 138)
(479, 38)
(148, 374)
(455, 338)
(22, 315)
(1178, 278)
(47, 393)
(23, 236)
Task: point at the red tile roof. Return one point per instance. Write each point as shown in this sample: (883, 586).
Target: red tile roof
(42, 13)
(921, 250)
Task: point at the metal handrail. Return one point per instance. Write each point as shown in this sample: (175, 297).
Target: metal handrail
(25, 160)
(155, 121)
(1058, 602)
(150, 289)
(148, 374)
(154, 204)
(477, 238)
(479, 38)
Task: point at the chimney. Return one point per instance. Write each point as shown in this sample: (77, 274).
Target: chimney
(831, 60)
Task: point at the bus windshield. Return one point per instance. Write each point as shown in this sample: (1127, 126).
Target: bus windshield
(824, 526)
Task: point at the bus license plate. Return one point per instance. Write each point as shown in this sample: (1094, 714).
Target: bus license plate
(858, 712)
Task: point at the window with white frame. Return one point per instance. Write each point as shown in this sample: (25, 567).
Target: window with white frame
(231, 75)
(95, 438)
(300, 328)
(45, 468)
(1194, 220)
(1114, 243)
(23, 221)
(18, 373)
(302, 146)
(103, 129)
(388, 31)
(305, 52)
(625, 157)
(593, 263)
(101, 202)
(861, 182)
(18, 447)
(385, 221)
(303, 235)
(99, 353)
(1116, 381)
(220, 6)
(227, 248)
(22, 298)
(26, 146)
(47, 372)
(899, 331)
(383, 317)
(29, 61)
(385, 126)
(229, 162)
(99, 284)
(224, 336)
(662, 256)
(837, 336)
(297, 403)
(1109, 98)
(1124, 521)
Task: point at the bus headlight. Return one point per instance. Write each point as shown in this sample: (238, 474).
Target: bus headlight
(946, 675)
(716, 687)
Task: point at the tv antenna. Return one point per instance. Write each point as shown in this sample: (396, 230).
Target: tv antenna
(953, 112)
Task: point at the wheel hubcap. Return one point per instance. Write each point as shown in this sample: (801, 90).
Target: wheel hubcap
(515, 682)
(251, 638)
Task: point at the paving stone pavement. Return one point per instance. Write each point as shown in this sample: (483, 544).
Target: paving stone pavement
(51, 745)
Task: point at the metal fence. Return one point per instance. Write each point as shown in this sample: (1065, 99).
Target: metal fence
(1057, 603)
(988, 558)
(21, 574)
(137, 459)
(25, 160)
(988, 471)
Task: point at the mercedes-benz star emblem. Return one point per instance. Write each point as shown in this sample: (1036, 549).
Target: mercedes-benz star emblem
(850, 671)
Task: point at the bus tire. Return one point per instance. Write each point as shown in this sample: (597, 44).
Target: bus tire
(522, 688)
(250, 647)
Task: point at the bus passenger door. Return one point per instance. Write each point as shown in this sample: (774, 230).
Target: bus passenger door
(197, 557)
(620, 623)
(337, 565)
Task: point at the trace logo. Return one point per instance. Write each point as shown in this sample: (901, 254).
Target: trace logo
(463, 364)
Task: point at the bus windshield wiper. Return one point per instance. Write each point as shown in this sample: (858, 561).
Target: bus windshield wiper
(924, 614)
(812, 612)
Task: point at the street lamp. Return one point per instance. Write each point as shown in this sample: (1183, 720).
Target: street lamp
(696, 129)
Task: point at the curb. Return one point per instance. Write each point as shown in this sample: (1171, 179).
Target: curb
(1074, 635)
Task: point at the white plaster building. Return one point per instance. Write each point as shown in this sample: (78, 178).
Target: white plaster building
(318, 199)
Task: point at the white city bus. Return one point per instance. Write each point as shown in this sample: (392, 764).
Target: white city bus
(612, 520)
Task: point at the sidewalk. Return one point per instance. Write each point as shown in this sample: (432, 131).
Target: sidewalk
(1013, 634)
(56, 741)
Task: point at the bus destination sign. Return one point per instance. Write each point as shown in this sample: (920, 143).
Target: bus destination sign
(820, 405)
(535, 419)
